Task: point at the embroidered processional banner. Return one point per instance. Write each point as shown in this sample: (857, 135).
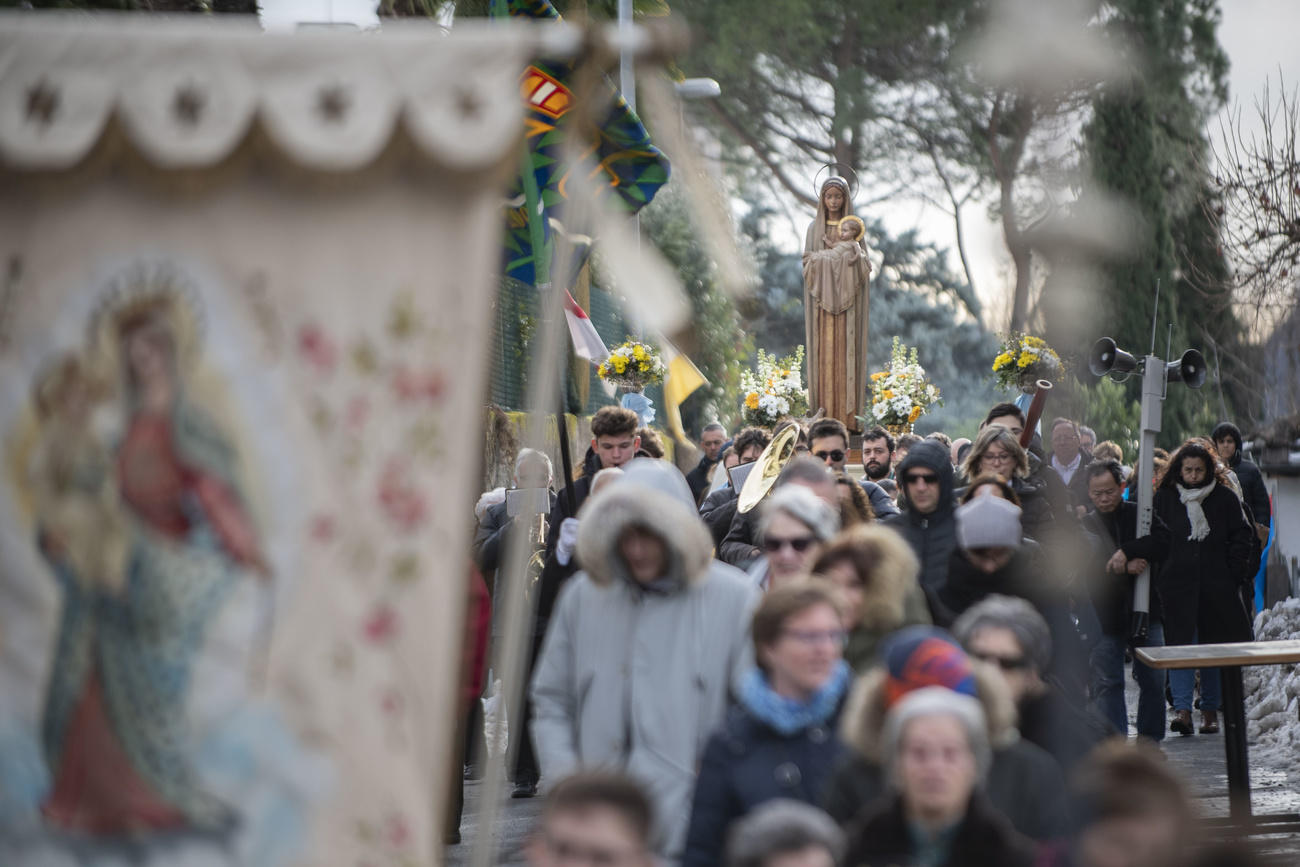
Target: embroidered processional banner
(245, 285)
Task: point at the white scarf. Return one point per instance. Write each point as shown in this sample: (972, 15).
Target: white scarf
(1192, 498)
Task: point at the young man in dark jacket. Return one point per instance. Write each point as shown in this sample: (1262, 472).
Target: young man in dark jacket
(1227, 441)
(925, 486)
(1113, 523)
(712, 441)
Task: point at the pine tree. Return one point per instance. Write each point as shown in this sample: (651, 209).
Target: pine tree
(1145, 144)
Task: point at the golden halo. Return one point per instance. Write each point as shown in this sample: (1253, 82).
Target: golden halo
(147, 290)
(862, 226)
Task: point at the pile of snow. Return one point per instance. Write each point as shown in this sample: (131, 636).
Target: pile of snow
(1273, 693)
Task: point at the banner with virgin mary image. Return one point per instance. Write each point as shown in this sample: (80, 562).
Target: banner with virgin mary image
(245, 285)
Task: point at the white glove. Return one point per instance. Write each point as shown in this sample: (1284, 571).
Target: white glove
(567, 542)
(489, 499)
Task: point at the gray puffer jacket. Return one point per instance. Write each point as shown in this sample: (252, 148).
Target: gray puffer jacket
(634, 677)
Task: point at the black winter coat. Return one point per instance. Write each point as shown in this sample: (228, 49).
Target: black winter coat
(746, 763)
(717, 512)
(1200, 582)
(1076, 491)
(738, 548)
(698, 478)
(1025, 784)
(880, 837)
(554, 574)
(933, 537)
(1112, 595)
(1253, 490)
(489, 541)
(1029, 577)
(1067, 731)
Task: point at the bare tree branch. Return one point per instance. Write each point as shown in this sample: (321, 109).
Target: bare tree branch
(1257, 211)
(761, 151)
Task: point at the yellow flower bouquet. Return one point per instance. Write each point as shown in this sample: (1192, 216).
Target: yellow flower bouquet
(773, 389)
(633, 365)
(1025, 359)
(902, 393)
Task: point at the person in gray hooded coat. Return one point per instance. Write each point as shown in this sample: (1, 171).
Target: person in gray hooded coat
(644, 645)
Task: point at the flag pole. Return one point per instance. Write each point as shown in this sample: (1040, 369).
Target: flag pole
(542, 278)
(545, 389)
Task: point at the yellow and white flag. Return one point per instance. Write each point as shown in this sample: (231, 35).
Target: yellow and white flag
(682, 379)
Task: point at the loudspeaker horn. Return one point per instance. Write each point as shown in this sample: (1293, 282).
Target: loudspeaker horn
(1189, 370)
(1106, 357)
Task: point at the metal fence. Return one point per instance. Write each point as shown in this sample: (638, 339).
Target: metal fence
(516, 323)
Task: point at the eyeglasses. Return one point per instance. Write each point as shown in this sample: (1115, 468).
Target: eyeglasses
(812, 637)
(799, 543)
(913, 478)
(835, 456)
(1006, 663)
(998, 457)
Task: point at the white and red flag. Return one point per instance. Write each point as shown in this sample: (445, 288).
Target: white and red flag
(586, 341)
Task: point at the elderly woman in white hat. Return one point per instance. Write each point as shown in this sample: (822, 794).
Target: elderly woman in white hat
(794, 527)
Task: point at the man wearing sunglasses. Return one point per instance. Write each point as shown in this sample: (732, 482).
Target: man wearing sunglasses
(925, 487)
(829, 443)
(1010, 634)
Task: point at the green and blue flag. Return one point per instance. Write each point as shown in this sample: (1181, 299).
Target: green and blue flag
(633, 169)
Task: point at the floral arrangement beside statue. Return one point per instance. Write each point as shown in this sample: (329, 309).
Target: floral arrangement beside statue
(633, 365)
(901, 393)
(1024, 360)
(773, 389)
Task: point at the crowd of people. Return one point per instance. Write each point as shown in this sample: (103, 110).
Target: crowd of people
(921, 665)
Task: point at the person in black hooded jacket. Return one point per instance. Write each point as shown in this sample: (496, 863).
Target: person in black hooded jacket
(925, 497)
(1227, 441)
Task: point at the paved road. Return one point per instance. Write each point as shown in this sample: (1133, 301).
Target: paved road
(512, 828)
(1198, 758)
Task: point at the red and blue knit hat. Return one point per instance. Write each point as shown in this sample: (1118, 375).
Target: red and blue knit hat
(920, 656)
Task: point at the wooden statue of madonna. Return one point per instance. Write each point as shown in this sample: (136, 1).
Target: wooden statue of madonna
(835, 275)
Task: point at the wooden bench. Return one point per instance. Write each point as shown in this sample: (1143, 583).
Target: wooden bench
(1229, 658)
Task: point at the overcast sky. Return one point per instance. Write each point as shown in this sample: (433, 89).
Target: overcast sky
(1258, 35)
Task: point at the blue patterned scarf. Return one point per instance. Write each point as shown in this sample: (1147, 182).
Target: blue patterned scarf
(786, 715)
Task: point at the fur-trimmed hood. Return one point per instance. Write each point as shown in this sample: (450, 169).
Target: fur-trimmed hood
(893, 577)
(652, 495)
(862, 723)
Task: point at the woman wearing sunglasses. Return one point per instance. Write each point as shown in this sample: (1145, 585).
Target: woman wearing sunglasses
(1008, 633)
(794, 526)
(779, 741)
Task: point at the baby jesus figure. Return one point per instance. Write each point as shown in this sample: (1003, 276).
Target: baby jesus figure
(837, 275)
